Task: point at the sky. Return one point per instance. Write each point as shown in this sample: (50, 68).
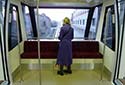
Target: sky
(57, 14)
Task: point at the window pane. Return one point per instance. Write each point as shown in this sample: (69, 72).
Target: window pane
(50, 21)
(94, 23)
(79, 22)
(27, 21)
(14, 31)
(108, 33)
(121, 11)
(2, 10)
(1, 15)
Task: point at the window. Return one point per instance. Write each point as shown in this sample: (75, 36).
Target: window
(51, 21)
(1, 15)
(121, 11)
(2, 10)
(108, 32)
(27, 21)
(94, 22)
(14, 33)
(83, 21)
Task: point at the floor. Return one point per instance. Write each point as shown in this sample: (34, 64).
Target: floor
(122, 81)
(81, 75)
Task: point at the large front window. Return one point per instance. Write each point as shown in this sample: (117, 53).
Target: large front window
(51, 20)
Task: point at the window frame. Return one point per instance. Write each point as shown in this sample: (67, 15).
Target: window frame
(87, 29)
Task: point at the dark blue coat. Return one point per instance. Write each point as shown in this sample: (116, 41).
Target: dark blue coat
(65, 46)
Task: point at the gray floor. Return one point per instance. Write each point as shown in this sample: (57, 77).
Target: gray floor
(81, 75)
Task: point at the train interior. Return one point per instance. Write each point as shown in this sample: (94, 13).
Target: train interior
(29, 42)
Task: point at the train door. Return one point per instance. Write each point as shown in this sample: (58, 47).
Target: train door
(13, 39)
(19, 70)
(4, 71)
(119, 71)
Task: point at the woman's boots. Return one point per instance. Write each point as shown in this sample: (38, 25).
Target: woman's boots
(61, 72)
(68, 71)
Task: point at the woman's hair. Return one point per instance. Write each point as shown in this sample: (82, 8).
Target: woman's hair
(66, 20)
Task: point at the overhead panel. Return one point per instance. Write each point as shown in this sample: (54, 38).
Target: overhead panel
(84, 3)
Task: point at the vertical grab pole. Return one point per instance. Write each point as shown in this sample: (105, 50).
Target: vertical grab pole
(38, 37)
(105, 34)
(105, 31)
(103, 53)
(103, 58)
(18, 37)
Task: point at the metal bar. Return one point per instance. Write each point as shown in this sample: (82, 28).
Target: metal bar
(39, 62)
(18, 38)
(105, 34)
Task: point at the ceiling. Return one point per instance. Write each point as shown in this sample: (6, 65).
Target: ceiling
(67, 3)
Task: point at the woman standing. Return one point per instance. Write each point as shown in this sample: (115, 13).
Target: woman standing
(65, 47)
